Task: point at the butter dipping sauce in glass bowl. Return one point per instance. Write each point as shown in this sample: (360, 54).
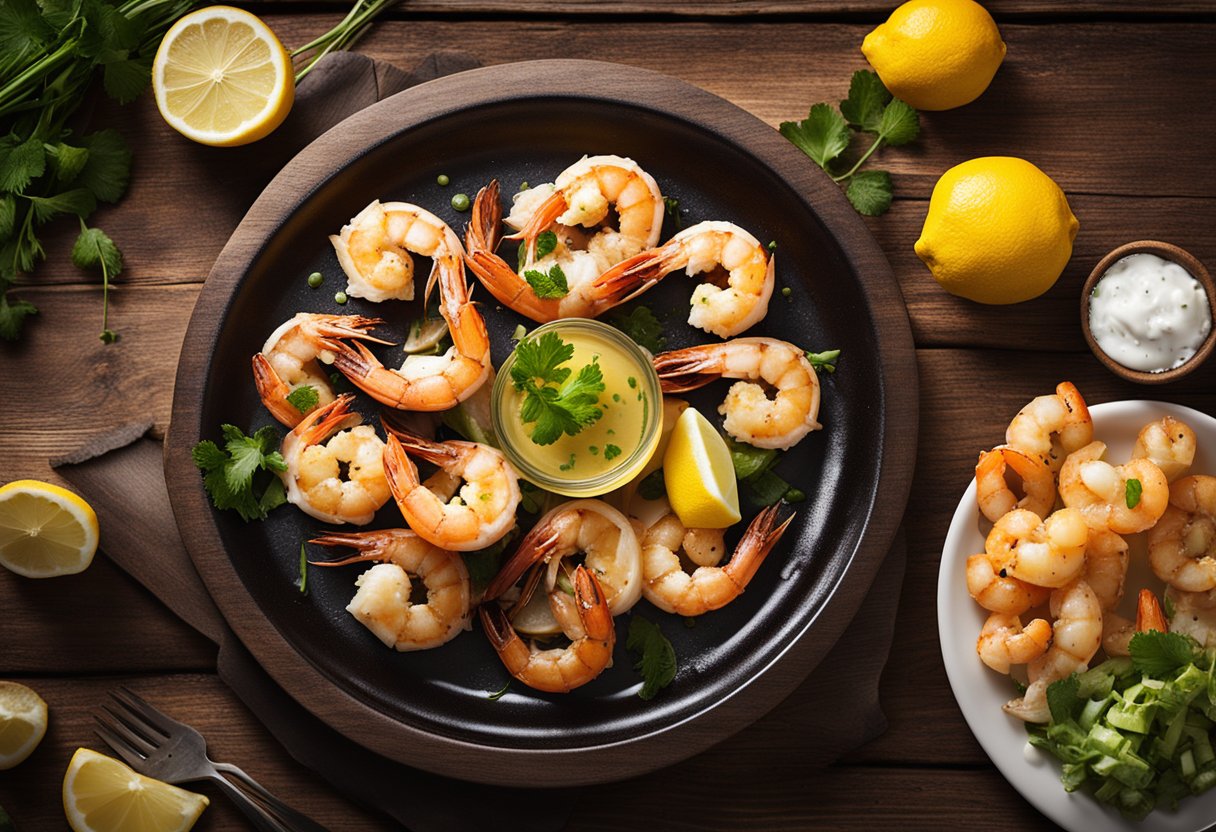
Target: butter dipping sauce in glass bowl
(1146, 320)
(605, 454)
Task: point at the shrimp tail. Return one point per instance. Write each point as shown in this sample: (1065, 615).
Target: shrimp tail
(274, 391)
(545, 217)
(759, 539)
(1148, 613)
(436, 453)
(687, 369)
(632, 277)
(329, 328)
(399, 469)
(498, 627)
(593, 609)
(484, 230)
(369, 544)
(328, 420)
(535, 545)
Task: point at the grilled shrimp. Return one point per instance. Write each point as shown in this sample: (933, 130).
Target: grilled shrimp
(374, 249)
(1106, 566)
(1169, 444)
(429, 382)
(1100, 490)
(597, 530)
(707, 247)
(1075, 636)
(1048, 553)
(1194, 614)
(1004, 642)
(751, 416)
(482, 512)
(1051, 427)
(315, 451)
(993, 493)
(382, 602)
(1182, 546)
(671, 589)
(558, 670)
(288, 360)
(989, 583)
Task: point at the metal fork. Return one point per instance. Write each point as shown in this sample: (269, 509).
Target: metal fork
(154, 744)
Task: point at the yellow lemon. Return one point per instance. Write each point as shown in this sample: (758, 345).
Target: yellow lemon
(22, 724)
(999, 230)
(100, 794)
(45, 530)
(222, 78)
(936, 54)
(699, 475)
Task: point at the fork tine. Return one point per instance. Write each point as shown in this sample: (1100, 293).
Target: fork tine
(141, 712)
(129, 755)
(134, 714)
(128, 732)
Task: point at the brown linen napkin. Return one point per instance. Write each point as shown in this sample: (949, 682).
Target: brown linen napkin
(833, 712)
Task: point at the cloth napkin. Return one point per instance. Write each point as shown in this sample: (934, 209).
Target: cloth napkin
(121, 475)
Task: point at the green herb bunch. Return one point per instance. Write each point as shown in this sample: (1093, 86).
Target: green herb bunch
(825, 135)
(51, 52)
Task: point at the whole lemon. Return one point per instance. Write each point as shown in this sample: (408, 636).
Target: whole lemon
(936, 54)
(999, 230)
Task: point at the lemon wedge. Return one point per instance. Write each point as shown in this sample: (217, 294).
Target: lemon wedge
(45, 530)
(100, 794)
(699, 475)
(22, 723)
(222, 78)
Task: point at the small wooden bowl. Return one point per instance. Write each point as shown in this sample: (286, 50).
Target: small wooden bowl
(1165, 251)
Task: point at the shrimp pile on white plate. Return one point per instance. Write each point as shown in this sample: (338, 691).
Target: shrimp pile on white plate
(1054, 563)
(597, 225)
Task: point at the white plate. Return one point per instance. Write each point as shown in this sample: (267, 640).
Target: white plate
(981, 692)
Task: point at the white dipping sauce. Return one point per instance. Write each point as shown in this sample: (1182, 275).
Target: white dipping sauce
(1149, 314)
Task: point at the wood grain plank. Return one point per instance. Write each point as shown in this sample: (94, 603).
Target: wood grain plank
(1062, 100)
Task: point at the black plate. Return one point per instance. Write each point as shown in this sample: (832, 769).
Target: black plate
(514, 124)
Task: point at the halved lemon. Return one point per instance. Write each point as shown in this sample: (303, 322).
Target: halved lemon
(699, 475)
(22, 723)
(222, 78)
(45, 530)
(100, 794)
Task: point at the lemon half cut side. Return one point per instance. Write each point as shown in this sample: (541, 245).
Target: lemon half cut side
(22, 723)
(45, 530)
(222, 78)
(101, 794)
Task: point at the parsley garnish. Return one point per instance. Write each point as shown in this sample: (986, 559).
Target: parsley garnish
(642, 326)
(566, 466)
(548, 285)
(229, 473)
(611, 451)
(559, 403)
(304, 398)
(546, 242)
(1156, 653)
(825, 361)
(825, 134)
(672, 206)
(656, 657)
(1131, 492)
(302, 581)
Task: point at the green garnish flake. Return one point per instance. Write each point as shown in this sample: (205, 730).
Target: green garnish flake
(548, 285)
(825, 361)
(304, 398)
(611, 451)
(498, 694)
(594, 449)
(563, 583)
(546, 242)
(632, 382)
(567, 466)
(563, 402)
(242, 474)
(616, 397)
(642, 326)
(772, 245)
(656, 658)
(672, 206)
(653, 486)
(520, 333)
(1131, 492)
(302, 580)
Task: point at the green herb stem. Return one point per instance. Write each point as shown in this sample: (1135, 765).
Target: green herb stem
(342, 36)
(859, 162)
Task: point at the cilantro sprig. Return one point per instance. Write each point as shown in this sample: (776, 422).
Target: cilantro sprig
(548, 285)
(656, 658)
(825, 135)
(242, 475)
(641, 325)
(556, 399)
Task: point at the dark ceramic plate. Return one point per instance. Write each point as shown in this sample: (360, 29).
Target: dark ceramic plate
(517, 123)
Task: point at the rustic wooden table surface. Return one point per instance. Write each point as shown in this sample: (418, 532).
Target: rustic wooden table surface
(1112, 99)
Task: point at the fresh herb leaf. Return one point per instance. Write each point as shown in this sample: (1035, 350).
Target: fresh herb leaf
(125, 79)
(12, 316)
(559, 404)
(870, 192)
(66, 161)
(8, 215)
(749, 460)
(823, 134)
(900, 124)
(642, 326)
(569, 464)
(765, 489)
(653, 486)
(229, 472)
(20, 162)
(1062, 698)
(656, 658)
(108, 167)
(548, 285)
(304, 398)
(825, 360)
(672, 206)
(498, 694)
(1131, 492)
(863, 108)
(94, 249)
(611, 451)
(77, 201)
(1159, 654)
(546, 242)
(302, 581)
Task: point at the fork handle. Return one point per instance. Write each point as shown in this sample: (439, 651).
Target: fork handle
(291, 819)
(261, 817)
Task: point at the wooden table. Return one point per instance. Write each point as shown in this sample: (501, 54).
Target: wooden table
(1112, 99)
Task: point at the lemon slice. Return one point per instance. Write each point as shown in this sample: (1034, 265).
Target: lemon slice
(100, 794)
(45, 530)
(22, 723)
(699, 475)
(222, 78)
